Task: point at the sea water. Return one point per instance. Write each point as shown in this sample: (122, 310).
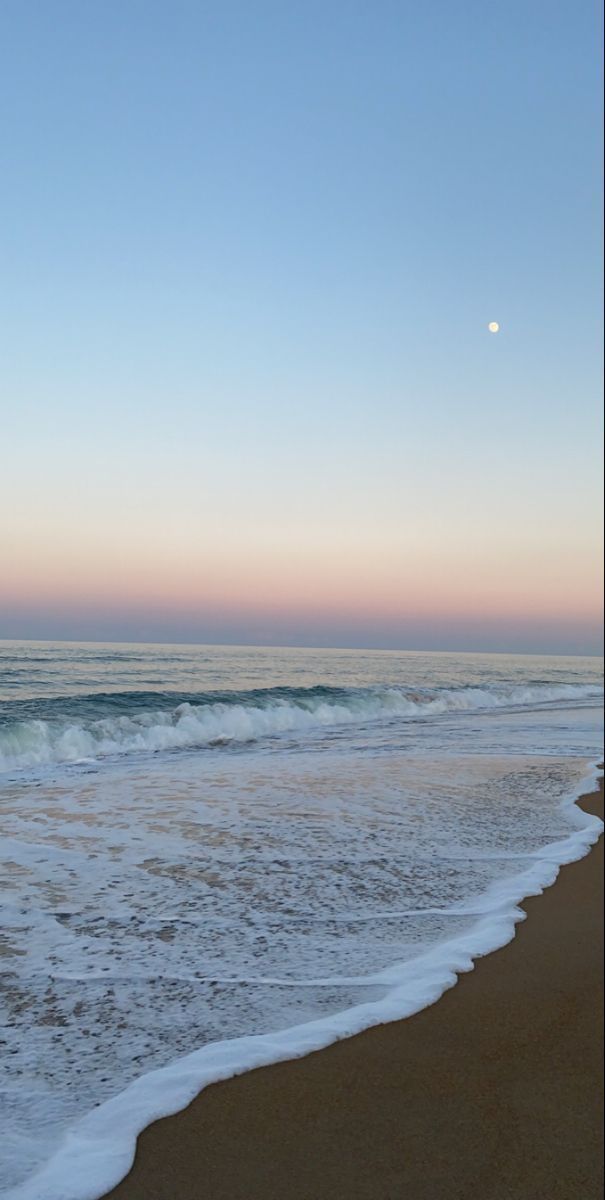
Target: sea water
(214, 858)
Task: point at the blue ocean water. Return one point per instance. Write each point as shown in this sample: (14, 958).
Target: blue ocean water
(219, 856)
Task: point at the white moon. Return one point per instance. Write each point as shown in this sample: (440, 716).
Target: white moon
(493, 327)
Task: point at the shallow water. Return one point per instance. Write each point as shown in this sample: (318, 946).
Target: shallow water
(204, 844)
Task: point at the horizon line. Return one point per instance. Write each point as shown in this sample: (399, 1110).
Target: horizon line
(122, 641)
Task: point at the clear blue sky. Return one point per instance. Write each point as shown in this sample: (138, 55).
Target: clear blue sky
(249, 252)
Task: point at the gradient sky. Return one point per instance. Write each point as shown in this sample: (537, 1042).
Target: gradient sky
(249, 252)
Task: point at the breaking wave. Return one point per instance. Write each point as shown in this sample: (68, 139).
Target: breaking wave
(97, 726)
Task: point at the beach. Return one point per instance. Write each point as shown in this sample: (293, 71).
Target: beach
(493, 1092)
(220, 860)
(301, 602)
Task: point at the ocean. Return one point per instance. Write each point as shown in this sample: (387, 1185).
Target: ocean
(217, 857)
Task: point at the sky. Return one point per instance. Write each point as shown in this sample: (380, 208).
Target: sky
(249, 252)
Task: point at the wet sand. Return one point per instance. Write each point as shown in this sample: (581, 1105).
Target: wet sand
(494, 1093)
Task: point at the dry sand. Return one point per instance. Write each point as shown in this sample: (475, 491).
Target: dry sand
(493, 1093)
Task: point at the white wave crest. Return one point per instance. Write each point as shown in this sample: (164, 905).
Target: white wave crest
(188, 726)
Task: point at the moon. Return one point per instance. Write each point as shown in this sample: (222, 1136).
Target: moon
(493, 327)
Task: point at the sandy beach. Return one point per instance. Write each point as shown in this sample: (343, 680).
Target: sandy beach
(493, 1093)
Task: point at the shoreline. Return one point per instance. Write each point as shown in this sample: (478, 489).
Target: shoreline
(492, 1092)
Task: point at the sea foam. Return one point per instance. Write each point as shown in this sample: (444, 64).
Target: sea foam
(98, 1151)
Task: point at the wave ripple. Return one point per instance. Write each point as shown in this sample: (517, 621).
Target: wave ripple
(97, 726)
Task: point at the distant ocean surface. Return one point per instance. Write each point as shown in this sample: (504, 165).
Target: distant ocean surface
(217, 857)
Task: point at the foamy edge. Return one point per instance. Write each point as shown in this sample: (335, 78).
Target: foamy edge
(99, 1150)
